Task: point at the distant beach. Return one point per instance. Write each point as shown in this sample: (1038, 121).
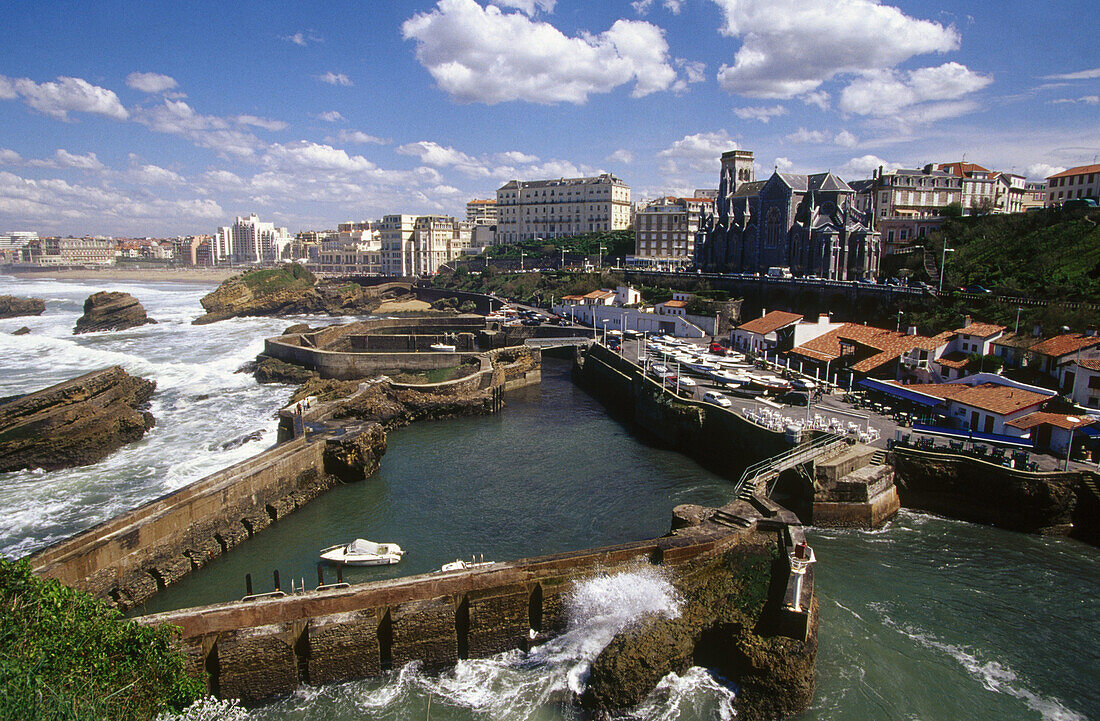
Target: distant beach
(190, 275)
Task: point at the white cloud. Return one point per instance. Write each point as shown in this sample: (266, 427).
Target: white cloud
(438, 156)
(1079, 75)
(357, 137)
(884, 93)
(334, 78)
(820, 98)
(790, 47)
(642, 6)
(302, 39)
(306, 155)
(694, 70)
(864, 166)
(1043, 171)
(148, 174)
(761, 113)
(620, 156)
(207, 131)
(265, 123)
(150, 82)
(331, 116)
(64, 159)
(783, 165)
(528, 6)
(700, 153)
(10, 157)
(482, 54)
(58, 98)
(1084, 100)
(844, 138)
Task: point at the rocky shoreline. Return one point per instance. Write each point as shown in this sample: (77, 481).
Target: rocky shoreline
(14, 307)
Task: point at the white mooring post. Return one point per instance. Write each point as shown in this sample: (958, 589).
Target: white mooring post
(801, 558)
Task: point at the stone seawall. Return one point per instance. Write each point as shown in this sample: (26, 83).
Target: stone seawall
(970, 489)
(129, 558)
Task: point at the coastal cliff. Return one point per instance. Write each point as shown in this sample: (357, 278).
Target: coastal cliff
(75, 423)
(13, 307)
(108, 310)
(292, 290)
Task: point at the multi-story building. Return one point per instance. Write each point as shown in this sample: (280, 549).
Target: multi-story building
(987, 191)
(481, 212)
(529, 209)
(396, 233)
(249, 240)
(354, 225)
(412, 245)
(1080, 182)
(14, 246)
(74, 251)
(1035, 195)
(355, 252)
(665, 231)
(909, 204)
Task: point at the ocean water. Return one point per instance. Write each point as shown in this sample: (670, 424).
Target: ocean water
(928, 618)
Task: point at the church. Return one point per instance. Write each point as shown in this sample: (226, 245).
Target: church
(808, 223)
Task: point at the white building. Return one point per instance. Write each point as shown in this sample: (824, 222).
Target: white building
(1080, 182)
(396, 235)
(355, 252)
(481, 212)
(665, 231)
(249, 240)
(412, 245)
(75, 251)
(529, 209)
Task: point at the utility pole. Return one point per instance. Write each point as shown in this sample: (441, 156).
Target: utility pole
(1017, 329)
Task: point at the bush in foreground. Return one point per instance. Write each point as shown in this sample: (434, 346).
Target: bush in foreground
(66, 655)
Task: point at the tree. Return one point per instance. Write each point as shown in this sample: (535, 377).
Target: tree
(952, 210)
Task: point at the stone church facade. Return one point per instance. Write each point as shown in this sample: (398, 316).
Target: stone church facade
(808, 223)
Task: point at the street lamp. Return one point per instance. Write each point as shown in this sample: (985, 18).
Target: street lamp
(602, 249)
(899, 321)
(1069, 446)
(521, 255)
(943, 262)
(604, 321)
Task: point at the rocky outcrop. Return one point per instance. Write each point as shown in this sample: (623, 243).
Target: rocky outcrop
(108, 310)
(356, 454)
(292, 290)
(273, 370)
(13, 307)
(393, 407)
(75, 423)
(21, 331)
(728, 623)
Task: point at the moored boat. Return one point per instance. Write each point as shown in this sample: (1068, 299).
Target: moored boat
(362, 552)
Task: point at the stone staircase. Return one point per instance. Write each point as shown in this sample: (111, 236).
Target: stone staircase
(930, 266)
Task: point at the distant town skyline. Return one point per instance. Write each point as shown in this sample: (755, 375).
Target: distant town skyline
(158, 119)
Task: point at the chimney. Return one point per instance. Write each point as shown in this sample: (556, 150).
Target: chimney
(763, 312)
(822, 319)
(1037, 331)
(912, 330)
(967, 322)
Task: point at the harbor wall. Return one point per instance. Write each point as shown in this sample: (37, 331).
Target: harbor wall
(128, 558)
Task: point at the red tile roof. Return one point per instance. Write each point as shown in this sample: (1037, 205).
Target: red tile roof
(675, 304)
(1052, 419)
(1093, 364)
(599, 294)
(981, 330)
(890, 345)
(770, 322)
(992, 397)
(1076, 171)
(962, 169)
(1061, 345)
(955, 359)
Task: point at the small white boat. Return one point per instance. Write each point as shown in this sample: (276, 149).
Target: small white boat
(442, 348)
(460, 565)
(361, 552)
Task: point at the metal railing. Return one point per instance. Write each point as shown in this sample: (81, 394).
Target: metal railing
(789, 459)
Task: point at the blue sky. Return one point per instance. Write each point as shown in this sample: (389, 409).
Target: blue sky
(158, 118)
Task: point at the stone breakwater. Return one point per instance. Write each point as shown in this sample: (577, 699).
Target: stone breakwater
(74, 423)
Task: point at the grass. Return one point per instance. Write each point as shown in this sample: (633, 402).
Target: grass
(272, 280)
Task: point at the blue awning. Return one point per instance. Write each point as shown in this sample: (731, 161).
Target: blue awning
(904, 392)
(973, 436)
(1092, 431)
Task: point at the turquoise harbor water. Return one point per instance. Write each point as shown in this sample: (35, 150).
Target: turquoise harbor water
(927, 619)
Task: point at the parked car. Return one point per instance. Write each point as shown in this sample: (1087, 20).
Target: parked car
(529, 321)
(803, 384)
(794, 398)
(717, 349)
(978, 289)
(717, 399)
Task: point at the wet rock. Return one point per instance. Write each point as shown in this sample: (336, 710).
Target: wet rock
(13, 307)
(248, 367)
(273, 370)
(111, 311)
(74, 423)
(297, 328)
(22, 331)
(356, 454)
(237, 442)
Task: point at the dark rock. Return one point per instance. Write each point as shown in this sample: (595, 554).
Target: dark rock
(238, 441)
(248, 367)
(75, 423)
(356, 454)
(297, 328)
(22, 331)
(111, 311)
(273, 370)
(12, 307)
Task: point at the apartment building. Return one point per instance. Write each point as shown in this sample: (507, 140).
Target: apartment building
(249, 240)
(419, 245)
(665, 231)
(73, 251)
(481, 212)
(1080, 182)
(1035, 195)
(909, 203)
(529, 209)
(396, 232)
(987, 191)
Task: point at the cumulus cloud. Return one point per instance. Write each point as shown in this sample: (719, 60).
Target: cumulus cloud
(528, 6)
(58, 98)
(790, 47)
(334, 78)
(331, 116)
(438, 156)
(207, 131)
(356, 137)
(620, 156)
(1079, 75)
(149, 174)
(700, 153)
(694, 70)
(1043, 171)
(302, 38)
(10, 157)
(150, 82)
(783, 165)
(818, 98)
(486, 55)
(889, 92)
(64, 159)
(821, 137)
(864, 166)
(306, 155)
(643, 6)
(1084, 100)
(760, 112)
(265, 123)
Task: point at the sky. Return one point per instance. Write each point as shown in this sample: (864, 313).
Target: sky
(167, 118)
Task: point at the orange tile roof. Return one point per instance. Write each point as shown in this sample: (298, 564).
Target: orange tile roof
(1080, 169)
(1061, 345)
(1002, 400)
(772, 321)
(572, 297)
(675, 304)
(981, 330)
(1093, 364)
(1017, 340)
(599, 294)
(956, 359)
(1052, 419)
(890, 344)
(962, 169)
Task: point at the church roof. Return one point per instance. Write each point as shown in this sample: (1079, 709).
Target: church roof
(818, 181)
(749, 190)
